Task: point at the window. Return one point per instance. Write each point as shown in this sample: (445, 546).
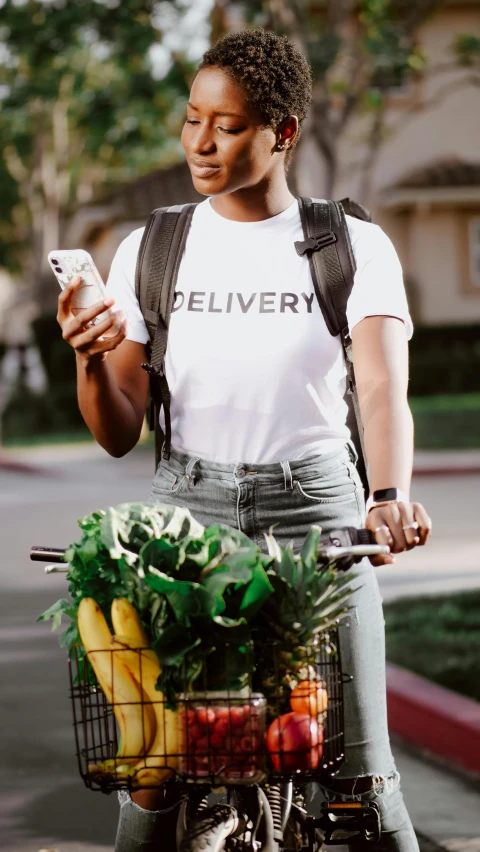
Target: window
(474, 247)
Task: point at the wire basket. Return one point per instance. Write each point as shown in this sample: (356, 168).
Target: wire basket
(222, 737)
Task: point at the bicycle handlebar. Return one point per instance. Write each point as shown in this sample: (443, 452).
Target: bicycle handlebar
(46, 554)
(348, 544)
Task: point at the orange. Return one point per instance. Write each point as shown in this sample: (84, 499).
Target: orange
(309, 697)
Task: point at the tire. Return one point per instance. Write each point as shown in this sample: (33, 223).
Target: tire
(210, 829)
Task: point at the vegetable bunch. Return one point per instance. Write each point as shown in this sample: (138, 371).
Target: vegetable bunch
(195, 589)
(209, 600)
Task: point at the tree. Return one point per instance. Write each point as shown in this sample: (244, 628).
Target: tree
(81, 108)
(358, 50)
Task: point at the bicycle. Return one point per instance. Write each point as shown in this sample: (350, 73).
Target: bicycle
(264, 794)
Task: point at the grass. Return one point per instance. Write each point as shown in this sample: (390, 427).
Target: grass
(442, 422)
(49, 439)
(446, 421)
(438, 638)
(447, 402)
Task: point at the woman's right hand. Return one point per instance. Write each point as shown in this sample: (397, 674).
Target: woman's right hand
(87, 340)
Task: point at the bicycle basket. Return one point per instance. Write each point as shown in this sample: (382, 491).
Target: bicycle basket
(221, 737)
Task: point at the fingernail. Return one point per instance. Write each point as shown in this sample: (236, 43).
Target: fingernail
(416, 540)
(120, 316)
(109, 301)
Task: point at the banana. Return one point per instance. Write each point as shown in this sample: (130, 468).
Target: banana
(144, 777)
(144, 665)
(126, 622)
(166, 744)
(135, 719)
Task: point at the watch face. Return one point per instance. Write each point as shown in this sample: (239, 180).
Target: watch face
(385, 494)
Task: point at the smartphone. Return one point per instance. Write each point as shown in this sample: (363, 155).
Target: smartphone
(71, 263)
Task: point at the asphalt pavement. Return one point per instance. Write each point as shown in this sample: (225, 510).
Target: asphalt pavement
(43, 802)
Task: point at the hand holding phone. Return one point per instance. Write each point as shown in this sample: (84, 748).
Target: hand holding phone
(73, 263)
(85, 312)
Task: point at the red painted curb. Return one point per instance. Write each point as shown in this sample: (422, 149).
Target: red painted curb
(434, 718)
(14, 466)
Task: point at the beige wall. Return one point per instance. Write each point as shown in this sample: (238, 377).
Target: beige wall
(439, 130)
(439, 255)
(432, 243)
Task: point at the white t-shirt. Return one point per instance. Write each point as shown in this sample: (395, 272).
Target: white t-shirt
(254, 374)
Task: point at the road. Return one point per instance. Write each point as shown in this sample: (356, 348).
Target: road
(43, 803)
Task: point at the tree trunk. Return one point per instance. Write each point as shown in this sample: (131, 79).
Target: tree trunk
(375, 141)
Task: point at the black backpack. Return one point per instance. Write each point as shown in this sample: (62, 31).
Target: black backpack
(332, 265)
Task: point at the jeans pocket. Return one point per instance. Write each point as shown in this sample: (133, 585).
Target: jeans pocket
(336, 486)
(166, 481)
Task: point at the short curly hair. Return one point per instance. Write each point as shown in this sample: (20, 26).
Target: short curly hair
(275, 77)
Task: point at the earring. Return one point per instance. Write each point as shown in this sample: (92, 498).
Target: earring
(280, 146)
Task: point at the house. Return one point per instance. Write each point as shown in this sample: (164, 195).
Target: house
(423, 187)
(425, 181)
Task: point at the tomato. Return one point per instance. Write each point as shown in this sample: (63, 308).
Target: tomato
(205, 715)
(202, 746)
(236, 717)
(309, 697)
(222, 727)
(250, 744)
(195, 732)
(221, 713)
(294, 741)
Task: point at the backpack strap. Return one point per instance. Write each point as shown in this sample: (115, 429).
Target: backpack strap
(332, 265)
(156, 275)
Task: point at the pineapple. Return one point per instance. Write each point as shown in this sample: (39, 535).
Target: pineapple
(296, 623)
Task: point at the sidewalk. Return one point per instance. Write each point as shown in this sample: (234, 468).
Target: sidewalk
(443, 806)
(444, 462)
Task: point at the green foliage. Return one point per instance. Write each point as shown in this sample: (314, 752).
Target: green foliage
(192, 587)
(467, 48)
(58, 360)
(382, 41)
(307, 602)
(444, 360)
(80, 106)
(206, 597)
(438, 637)
(446, 422)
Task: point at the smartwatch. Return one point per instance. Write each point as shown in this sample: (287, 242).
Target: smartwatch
(384, 496)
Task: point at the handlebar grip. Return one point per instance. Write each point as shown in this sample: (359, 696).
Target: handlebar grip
(47, 554)
(348, 536)
(366, 537)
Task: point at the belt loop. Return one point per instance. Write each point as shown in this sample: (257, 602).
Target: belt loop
(189, 469)
(287, 474)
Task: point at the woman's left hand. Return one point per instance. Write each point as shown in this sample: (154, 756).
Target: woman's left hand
(400, 525)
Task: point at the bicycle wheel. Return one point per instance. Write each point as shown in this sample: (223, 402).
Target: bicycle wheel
(209, 830)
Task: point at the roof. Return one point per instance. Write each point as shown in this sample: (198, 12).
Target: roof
(160, 188)
(444, 173)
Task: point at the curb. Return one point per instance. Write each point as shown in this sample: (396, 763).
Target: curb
(446, 462)
(446, 471)
(45, 461)
(433, 718)
(17, 466)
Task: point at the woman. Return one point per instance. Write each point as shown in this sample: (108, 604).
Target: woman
(257, 382)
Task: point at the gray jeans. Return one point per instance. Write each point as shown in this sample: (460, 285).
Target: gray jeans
(323, 490)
